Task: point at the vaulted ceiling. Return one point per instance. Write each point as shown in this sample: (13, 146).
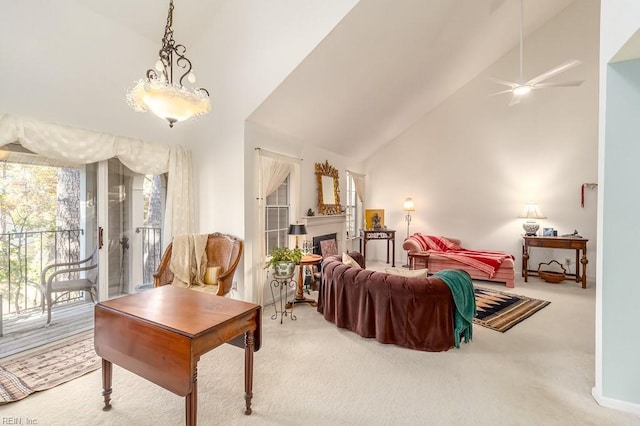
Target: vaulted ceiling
(388, 63)
(382, 67)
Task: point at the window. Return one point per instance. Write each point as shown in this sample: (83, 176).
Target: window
(277, 217)
(351, 207)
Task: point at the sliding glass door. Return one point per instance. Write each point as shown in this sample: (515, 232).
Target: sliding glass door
(130, 218)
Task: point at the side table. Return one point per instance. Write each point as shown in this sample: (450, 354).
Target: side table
(418, 260)
(307, 260)
(379, 234)
(568, 243)
(283, 283)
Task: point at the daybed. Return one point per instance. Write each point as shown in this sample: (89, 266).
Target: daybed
(416, 313)
(438, 253)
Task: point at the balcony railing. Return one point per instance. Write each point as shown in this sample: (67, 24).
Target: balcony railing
(151, 251)
(23, 255)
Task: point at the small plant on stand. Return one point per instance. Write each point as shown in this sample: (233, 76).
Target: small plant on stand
(283, 260)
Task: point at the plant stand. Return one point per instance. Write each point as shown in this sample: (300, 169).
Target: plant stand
(282, 283)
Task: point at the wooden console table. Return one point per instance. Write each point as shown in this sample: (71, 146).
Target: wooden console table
(160, 335)
(378, 234)
(569, 243)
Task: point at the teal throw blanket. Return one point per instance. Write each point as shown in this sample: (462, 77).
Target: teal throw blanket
(461, 287)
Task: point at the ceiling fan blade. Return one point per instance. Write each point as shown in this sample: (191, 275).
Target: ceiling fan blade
(554, 71)
(515, 100)
(566, 84)
(504, 82)
(502, 92)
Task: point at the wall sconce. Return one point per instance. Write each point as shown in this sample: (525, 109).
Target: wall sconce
(531, 211)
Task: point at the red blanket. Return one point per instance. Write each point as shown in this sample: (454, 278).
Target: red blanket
(485, 261)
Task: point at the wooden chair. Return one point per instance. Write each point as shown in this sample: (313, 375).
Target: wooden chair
(222, 250)
(51, 284)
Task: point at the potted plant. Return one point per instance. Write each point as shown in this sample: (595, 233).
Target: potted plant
(283, 260)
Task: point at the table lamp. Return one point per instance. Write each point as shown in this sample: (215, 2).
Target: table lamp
(531, 211)
(297, 230)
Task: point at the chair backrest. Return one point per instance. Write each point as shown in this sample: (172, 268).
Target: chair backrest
(92, 274)
(222, 250)
(328, 248)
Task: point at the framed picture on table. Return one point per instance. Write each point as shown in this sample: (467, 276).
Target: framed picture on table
(374, 218)
(548, 232)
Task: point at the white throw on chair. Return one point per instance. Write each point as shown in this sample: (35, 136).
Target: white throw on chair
(52, 282)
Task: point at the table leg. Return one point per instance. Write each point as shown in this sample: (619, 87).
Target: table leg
(300, 293)
(107, 371)
(249, 343)
(584, 262)
(525, 263)
(191, 402)
(393, 252)
(388, 241)
(363, 248)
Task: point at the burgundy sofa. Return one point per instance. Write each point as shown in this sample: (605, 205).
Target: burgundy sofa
(415, 313)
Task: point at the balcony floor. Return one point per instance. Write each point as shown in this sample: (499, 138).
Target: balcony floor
(24, 332)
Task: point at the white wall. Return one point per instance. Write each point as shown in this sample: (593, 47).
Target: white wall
(472, 163)
(248, 49)
(618, 294)
(257, 136)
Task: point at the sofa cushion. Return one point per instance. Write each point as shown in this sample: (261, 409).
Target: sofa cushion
(350, 261)
(404, 272)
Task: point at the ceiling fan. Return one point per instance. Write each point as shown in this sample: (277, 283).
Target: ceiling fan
(521, 87)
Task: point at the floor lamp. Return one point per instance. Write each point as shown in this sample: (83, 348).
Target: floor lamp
(408, 207)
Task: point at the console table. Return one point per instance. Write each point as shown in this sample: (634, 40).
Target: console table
(160, 335)
(378, 234)
(568, 243)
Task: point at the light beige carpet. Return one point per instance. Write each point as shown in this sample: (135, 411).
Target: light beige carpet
(46, 367)
(309, 372)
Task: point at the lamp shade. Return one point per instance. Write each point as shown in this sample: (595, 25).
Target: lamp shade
(531, 211)
(297, 229)
(408, 205)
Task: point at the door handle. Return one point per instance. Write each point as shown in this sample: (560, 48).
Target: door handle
(100, 237)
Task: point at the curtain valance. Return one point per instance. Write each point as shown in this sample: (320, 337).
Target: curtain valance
(85, 146)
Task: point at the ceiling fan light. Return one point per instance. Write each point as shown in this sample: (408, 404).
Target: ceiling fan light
(521, 90)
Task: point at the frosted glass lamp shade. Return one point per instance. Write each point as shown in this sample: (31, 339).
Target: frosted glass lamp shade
(531, 211)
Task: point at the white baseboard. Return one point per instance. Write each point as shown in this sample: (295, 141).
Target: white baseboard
(616, 404)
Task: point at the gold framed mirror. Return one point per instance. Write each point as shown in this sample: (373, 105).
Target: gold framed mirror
(328, 189)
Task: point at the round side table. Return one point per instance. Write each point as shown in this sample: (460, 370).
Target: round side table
(307, 260)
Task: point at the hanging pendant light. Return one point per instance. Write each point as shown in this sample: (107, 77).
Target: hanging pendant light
(158, 92)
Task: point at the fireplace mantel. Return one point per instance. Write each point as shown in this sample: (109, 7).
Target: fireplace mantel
(327, 224)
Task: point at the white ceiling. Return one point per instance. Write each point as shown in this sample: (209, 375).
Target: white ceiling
(385, 65)
(388, 63)
(148, 17)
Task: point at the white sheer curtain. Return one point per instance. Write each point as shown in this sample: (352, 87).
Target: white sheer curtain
(358, 182)
(273, 170)
(85, 146)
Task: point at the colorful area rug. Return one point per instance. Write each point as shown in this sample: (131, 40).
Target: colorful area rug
(500, 311)
(46, 367)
